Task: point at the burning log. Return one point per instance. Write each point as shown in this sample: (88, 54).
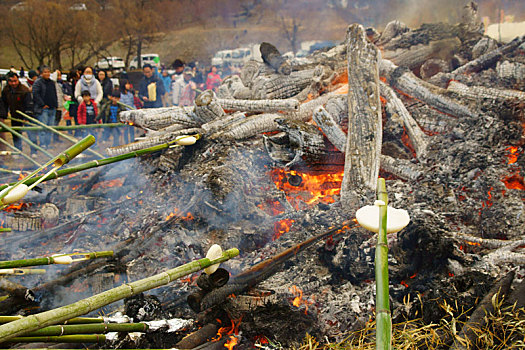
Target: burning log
(249, 127)
(396, 107)
(249, 278)
(204, 334)
(47, 318)
(476, 321)
(55, 259)
(278, 86)
(306, 109)
(158, 118)
(266, 106)
(207, 107)
(477, 93)
(364, 139)
(251, 70)
(222, 123)
(330, 128)
(404, 80)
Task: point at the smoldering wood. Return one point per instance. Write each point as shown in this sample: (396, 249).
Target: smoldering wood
(306, 109)
(218, 124)
(330, 128)
(430, 120)
(487, 60)
(416, 55)
(198, 337)
(150, 142)
(337, 106)
(395, 106)
(477, 319)
(483, 46)
(271, 56)
(511, 70)
(158, 118)
(404, 80)
(393, 29)
(486, 242)
(402, 168)
(207, 107)
(16, 290)
(484, 93)
(232, 87)
(267, 106)
(277, 86)
(249, 127)
(432, 67)
(25, 221)
(363, 147)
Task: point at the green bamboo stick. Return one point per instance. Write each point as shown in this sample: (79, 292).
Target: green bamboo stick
(18, 271)
(21, 121)
(96, 163)
(21, 153)
(25, 139)
(67, 137)
(383, 317)
(7, 171)
(77, 338)
(5, 229)
(75, 320)
(56, 259)
(47, 318)
(65, 127)
(91, 328)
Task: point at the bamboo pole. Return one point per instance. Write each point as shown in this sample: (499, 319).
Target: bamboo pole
(21, 153)
(76, 320)
(18, 271)
(90, 328)
(55, 259)
(5, 229)
(65, 127)
(21, 121)
(47, 318)
(25, 139)
(97, 163)
(67, 137)
(383, 317)
(126, 106)
(77, 338)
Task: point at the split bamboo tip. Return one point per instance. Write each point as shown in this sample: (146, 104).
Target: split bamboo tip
(75, 150)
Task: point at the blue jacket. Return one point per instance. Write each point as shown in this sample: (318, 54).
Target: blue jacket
(143, 91)
(167, 83)
(39, 94)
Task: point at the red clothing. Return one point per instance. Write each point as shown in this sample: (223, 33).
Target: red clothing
(213, 81)
(81, 113)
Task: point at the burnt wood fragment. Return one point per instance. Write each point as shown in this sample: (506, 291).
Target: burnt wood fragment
(198, 337)
(267, 106)
(485, 93)
(271, 56)
(207, 108)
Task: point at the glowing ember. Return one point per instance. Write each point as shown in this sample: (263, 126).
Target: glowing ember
(16, 207)
(281, 227)
(514, 181)
(299, 300)
(230, 330)
(230, 344)
(513, 154)
(176, 212)
(307, 188)
(110, 183)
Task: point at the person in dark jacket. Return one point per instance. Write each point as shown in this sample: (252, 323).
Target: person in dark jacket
(17, 97)
(45, 103)
(107, 85)
(109, 114)
(151, 88)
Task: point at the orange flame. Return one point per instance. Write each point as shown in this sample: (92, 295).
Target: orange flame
(109, 183)
(513, 154)
(281, 227)
(230, 344)
(230, 330)
(299, 300)
(311, 189)
(176, 212)
(514, 181)
(16, 207)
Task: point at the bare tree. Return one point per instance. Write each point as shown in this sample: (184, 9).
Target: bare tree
(290, 27)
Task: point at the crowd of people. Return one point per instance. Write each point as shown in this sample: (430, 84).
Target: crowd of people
(85, 98)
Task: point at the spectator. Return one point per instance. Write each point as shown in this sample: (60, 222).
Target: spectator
(32, 76)
(17, 97)
(127, 97)
(213, 80)
(87, 110)
(178, 65)
(136, 100)
(109, 114)
(184, 89)
(107, 84)
(166, 80)
(57, 77)
(22, 72)
(89, 83)
(151, 88)
(45, 103)
(73, 102)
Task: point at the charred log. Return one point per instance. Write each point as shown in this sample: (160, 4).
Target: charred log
(273, 58)
(207, 107)
(266, 106)
(484, 93)
(198, 337)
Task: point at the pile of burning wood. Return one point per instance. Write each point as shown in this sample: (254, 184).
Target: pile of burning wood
(284, 154)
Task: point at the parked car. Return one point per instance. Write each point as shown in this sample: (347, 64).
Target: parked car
(151, 58)
(238, 56)
(110, 63)
(221, 57)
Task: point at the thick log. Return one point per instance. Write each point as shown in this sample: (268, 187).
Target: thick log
(279, 86)
(483, 46)
(158, 118)
(249, 127)
(207, 108)
(392, 30)
(271, 56)
(16, 290)
(395, 106)
(416, 55)
(232, 87)
(222, 123)
(331, 128)
(306, 109)
(150, 142)
(266, 106)
(404, 80)
(477, 93)
(198, 337)
(363, 147)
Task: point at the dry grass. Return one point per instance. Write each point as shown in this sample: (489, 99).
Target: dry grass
(503, 329)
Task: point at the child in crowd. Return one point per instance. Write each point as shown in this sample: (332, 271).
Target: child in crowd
(127, 97)
(109, 114)
(87, 111)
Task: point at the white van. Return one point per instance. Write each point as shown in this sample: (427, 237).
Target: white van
(150, 58)
(110, 63)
